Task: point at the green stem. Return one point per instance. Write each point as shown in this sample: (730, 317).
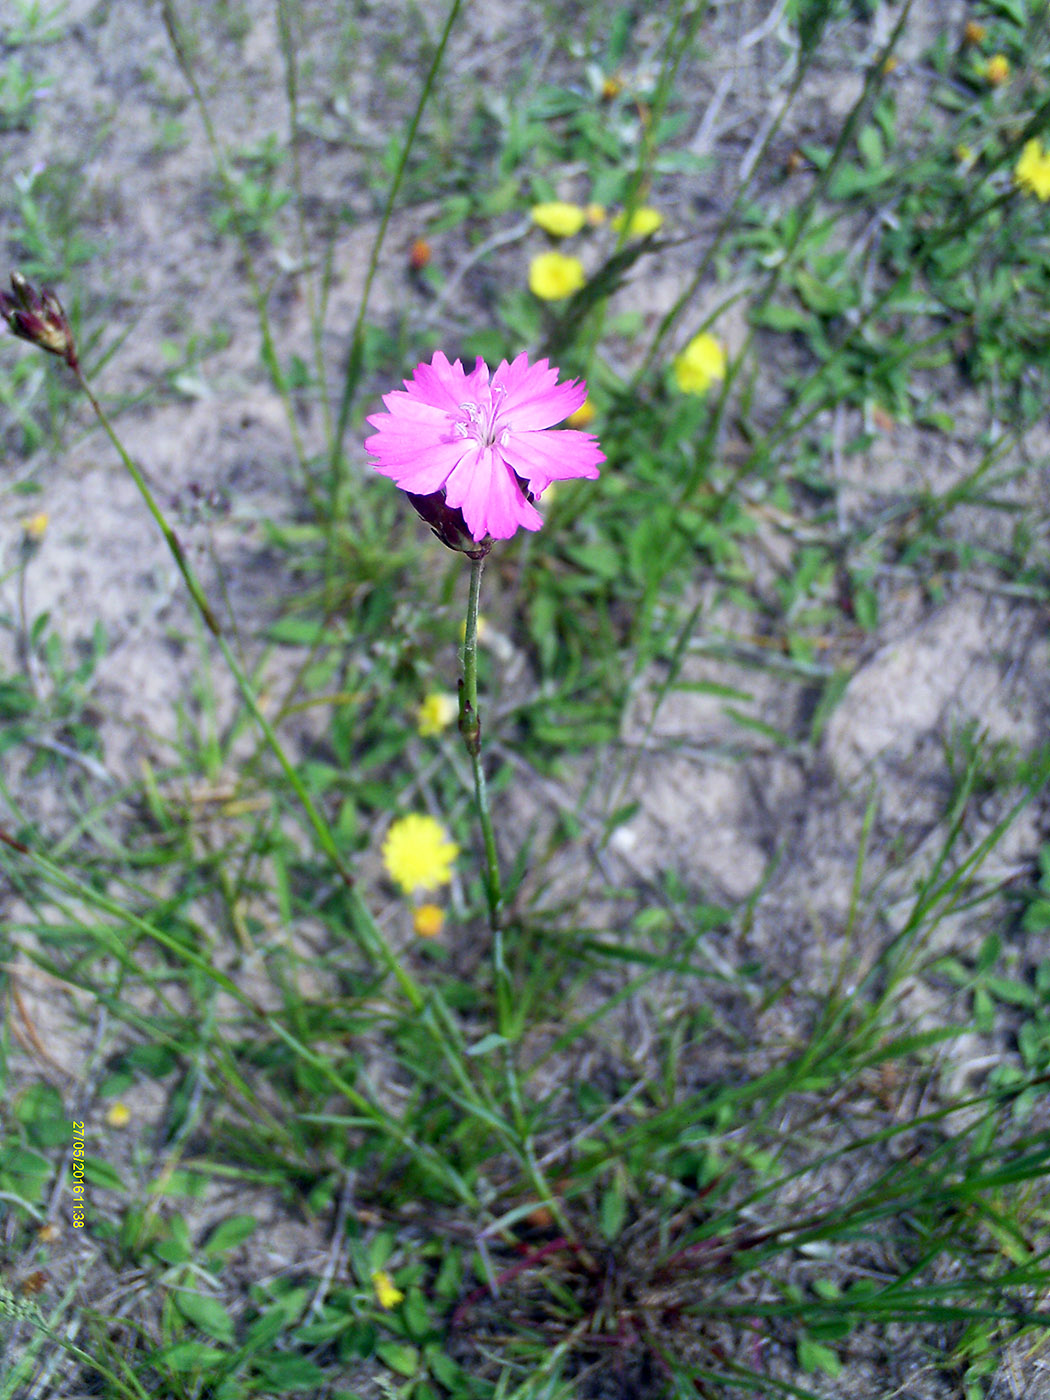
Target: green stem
(470, 728)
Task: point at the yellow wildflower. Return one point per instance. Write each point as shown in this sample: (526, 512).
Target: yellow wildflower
(428, 920)
(35, 528)
(553, 276)
(611, 87)
(1032, 171)
(418, 853)
(964, 154)
(559, 219)
(997, 70)
(583, 416)
(974, 33)
(436, 713)
(118, 1115)
(641, 224)
(388, 1295)
(595, 214)
(698, 366)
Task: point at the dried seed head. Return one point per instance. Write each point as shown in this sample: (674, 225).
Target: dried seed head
(39, 318)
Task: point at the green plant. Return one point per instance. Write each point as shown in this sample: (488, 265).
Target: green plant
(19, 90)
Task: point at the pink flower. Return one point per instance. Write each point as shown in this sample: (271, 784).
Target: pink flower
(483, 442)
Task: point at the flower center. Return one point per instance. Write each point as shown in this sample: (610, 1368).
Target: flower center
(479, 418)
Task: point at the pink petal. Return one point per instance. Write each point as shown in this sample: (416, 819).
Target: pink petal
(423, 473)
(533, 398)
(441, 384)
(490, 498)
(400, 404)
(554, 455)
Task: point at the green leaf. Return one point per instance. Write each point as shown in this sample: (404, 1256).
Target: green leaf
(814, 1356)
(180, 1182)
(850, 180)
(871, 147)
(811, 16)
(154, 1060)
(208, 1314)
(444, 1369)
(192, 1356)
(399, 1356)
(865, 606)
(40, 1103)
(290, 1373)
(1010, 9)
(1036, 917)
(228, 1234)
(19, 1161)
(613, 1210)
(983, 1011)
(1014, 993)
(297, 631)
(101, 1174)
(783, 319)
(414, 1316)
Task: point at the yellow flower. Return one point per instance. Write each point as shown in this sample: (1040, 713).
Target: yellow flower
(388, 1295)
(964, 154)
(974, 33)
(418, 853)
(428, 920)
(561, 220)
(553, 276)
(997, 70)
(1032, 171)
(581, 418)
(436, 712)
(611, 87)
(118, 1115)
(641, 224)
(595, 214)
(35, 528)
(698, 366)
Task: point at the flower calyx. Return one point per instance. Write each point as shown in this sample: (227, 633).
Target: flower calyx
(448, 524)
